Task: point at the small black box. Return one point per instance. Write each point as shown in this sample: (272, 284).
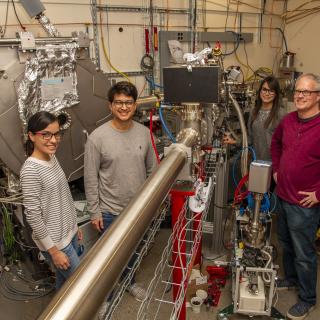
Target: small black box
(201, 84)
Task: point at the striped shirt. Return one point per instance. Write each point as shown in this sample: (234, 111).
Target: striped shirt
(49, 207)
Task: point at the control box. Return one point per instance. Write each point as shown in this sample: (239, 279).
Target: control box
(191, 84)
(259, 176)
(252, 302)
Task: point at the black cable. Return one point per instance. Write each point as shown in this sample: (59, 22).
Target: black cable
(147, 62)
(237, 37)
(13, 293)
(15, 12)
(224, 230)
(284, 38)
(246, 53)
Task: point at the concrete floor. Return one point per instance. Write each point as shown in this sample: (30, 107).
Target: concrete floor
(128, 308)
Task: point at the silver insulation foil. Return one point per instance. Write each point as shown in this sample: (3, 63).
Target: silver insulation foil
(50, 81)
(47, 25)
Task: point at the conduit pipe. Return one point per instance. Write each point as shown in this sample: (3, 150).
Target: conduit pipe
(244, 155)
(83, 293)
(17, 41)
(149, 102)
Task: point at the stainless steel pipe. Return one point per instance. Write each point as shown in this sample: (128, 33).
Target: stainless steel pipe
(17, 41)
(149, 102)
(83, 293)
(244, 155)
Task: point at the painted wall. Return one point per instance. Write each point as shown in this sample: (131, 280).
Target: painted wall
(126, 47)
(301, 30)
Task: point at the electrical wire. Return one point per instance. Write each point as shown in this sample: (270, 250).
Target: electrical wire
(15, 12)
(246, 54)
(227, 15)
(265, 275)
(167, 16)
(13, 293)
(237, 37)
(237, 158)
(284, 38)
(292, 16)
(204, 12)
(7, 231)
(152, 137)
(105, 50)
(249, 5)
(238, 195)
(144, 86)
(275, 201)
(153, 84)
(4, 29)
(168, 132)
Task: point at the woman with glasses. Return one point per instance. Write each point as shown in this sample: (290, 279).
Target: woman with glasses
(264, 118)
(49, 207)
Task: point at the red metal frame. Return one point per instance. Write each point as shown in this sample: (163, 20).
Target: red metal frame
(178, 198)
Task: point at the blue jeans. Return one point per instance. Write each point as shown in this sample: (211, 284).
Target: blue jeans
(297, 228)
(108, 219)
(71, 251)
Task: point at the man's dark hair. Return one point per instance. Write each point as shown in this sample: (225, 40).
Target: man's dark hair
(124, 87)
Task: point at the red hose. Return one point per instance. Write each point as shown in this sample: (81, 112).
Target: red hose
(238, 195)
(152, 138)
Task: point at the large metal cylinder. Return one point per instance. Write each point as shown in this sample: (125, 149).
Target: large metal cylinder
(149, 102)
(86, 289)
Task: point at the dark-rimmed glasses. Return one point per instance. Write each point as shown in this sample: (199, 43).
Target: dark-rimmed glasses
(120, 103)
(268, 91)
(46, 135)
(305, 93)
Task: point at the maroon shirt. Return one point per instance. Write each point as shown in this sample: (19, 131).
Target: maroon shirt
(295, 153)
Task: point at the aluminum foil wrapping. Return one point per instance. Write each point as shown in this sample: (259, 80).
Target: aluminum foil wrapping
(47, 25)
(52, 66)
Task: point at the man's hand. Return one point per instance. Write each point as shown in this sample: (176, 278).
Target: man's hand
(98, 224)
(60, 260)
(227, 139)
(275, 177)
(309, 200)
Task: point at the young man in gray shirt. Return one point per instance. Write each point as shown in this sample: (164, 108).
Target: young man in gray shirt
(118, 159)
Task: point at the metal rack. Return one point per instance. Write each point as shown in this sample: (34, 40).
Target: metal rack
(141, 251)
(160, 303)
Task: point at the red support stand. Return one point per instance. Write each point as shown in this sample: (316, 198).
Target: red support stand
(178, 198)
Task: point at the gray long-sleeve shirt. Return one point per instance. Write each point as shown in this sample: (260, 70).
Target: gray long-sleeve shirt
(116, 164)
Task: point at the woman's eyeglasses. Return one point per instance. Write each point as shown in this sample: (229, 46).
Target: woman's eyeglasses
(268, 91)
(46, 135)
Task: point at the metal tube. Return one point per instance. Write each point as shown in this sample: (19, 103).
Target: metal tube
(86, 289)
(17, 42)
(147, 103)
(256, 214)
(244, 156)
